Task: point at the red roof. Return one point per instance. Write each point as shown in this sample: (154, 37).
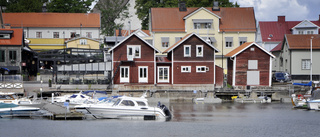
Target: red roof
(16, 39)
(278, 29)
(244, 46)
(277, 48)
(303, 41)
(52, 19)
(231, 19)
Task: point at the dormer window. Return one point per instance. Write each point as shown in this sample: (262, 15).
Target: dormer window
(4, 36)
(202, 23)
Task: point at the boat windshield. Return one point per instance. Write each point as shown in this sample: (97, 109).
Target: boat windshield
(117, 102)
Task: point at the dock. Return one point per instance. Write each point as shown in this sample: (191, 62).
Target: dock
(60, 112)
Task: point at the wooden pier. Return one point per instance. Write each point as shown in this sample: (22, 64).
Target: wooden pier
(60, 112)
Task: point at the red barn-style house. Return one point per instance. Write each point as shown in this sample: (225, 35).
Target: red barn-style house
(249, 65)
(192, 62)
(133, 62)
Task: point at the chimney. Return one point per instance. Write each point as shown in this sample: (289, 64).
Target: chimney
(119, 33)
(281, 18)
(182, 6)
(215, 6)
(7, 26)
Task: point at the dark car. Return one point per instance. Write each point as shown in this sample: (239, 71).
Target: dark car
(281, 77)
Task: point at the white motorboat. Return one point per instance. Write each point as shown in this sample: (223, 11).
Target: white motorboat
(107, 101)
(10, 107)
(74, 99)
(12, 98)
(314, 102)
(130, 107)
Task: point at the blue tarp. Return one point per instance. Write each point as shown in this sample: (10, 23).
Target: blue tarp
(5, 69)
(303, 84)
(89, 91)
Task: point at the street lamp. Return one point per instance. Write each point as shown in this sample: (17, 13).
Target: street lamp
(311, 58)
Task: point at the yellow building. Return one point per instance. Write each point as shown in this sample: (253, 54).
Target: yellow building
(83, 42)
(224, 28)
(39, 44)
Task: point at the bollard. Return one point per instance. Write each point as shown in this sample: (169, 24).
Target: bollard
(52, 96)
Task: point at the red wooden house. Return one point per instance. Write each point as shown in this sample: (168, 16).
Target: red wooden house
(249, 64)
(133, 62)
(191, 61)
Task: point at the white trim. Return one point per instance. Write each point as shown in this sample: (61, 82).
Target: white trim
(234, 71)
(200, 71)
(197, 50)
(202, 8)
(154, 68)
(305, 21)
(187, 69)
(177, 44)
(184, 50)
(172, 71)
(164, 81)
(143, 80)
(112, 69)
(256, 46)
(125, 80)
(133, 51)
(214, 70)
(192, 61)
(270, 72)
(147, 43)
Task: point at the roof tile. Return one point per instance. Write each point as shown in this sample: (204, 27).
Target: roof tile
(16, 39)
(303, 41)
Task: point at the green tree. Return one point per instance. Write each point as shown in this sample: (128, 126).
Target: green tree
(22, 5)
(143, 6)
(110, 11)
(69, 6)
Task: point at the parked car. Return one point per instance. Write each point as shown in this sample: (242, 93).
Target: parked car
(281, 77)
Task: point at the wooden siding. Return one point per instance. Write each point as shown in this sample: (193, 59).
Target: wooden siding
(230, 71)
(242, 66)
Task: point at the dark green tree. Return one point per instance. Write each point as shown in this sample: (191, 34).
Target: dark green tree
(69, 6)
(143, 6)
(22, 5)
(110, 11)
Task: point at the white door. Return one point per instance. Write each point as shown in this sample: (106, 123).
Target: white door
(143, 74)
(163, 74)
(124, 75)
(253, 77)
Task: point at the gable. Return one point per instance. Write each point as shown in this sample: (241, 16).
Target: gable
(202, 12)
(244, 47)
(305, 24)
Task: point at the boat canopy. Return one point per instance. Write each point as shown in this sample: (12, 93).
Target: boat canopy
(303, 84)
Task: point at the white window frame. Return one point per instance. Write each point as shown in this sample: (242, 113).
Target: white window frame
(305, 64)
(197, 53)
(38, 34)
(124, 78)
(184, 50)
(56, 33)
(163, 80)
(144, 77)
(83, 41)
(185, 69)
(165, 44)
(201, 69)
(252, 64)
(134, 47)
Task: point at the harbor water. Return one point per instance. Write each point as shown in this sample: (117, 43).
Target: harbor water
(189, 120)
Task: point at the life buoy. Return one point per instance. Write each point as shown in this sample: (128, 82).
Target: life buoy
(300, 97)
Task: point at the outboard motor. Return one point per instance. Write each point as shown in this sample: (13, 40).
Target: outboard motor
(166, 111)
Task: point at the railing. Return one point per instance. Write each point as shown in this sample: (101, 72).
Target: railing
(10, 81)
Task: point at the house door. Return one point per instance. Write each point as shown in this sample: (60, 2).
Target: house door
(143, 74)
(124, 74)
(253, 78)
(163, 74)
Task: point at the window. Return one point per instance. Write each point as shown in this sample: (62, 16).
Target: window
(140, 103)
(177, 39)
(150, 41)
(133, 51)
(25, 34)
(2, 56)
(163, 74)
(127, 103)
(202, 23)
(199, 51)
(202, 69)
(72, 34)
(229, 41)
(143, 74)
(306, 64)
(242, 40)
(185, 68)
(83, 42)
(300, 32)
(309, 32)
(124, 74)
(252, 64)
(38, 34)
(187, 50)
(5, 36)
(12, 55)
(89, 34)
(55, 34)
(165, 42)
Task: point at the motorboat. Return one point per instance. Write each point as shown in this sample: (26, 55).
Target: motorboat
(107, 101)
(13, 99)
(130, 107)
(300, 100)
(10, 107)
(314, 101)
(74, 99)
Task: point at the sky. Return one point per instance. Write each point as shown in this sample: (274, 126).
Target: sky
(294, 10)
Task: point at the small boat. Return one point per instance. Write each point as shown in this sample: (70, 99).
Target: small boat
(108, 101)
(74, 99)
(314, 101)
(300, 101)
(130, 107)
(10, 107)
(12, 98)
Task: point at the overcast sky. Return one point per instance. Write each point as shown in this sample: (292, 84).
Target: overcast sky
(294, 10)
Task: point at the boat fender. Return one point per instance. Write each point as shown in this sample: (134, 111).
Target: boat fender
(166, 111)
